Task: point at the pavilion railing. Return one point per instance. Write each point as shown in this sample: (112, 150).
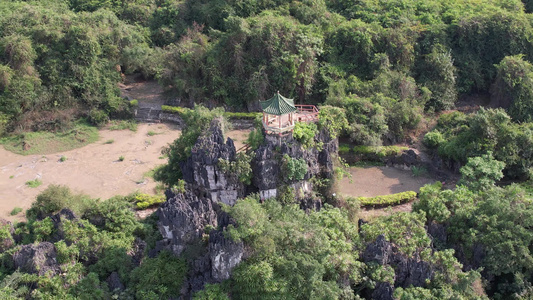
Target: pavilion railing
(307, 113)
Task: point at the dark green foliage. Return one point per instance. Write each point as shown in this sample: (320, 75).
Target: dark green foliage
(437, 73)
(305, 134)
(56, 197)
(481, 173)
(159, 278)
(295, 256)
(240, 168)
(496, 221)
(293, 169)
(465, 136)
(513, 88)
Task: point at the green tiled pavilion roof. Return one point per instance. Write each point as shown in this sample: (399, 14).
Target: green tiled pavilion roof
(278, 105)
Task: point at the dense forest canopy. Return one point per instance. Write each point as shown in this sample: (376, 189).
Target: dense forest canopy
(378, 69)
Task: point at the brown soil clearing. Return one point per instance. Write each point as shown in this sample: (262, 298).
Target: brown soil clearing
(94, 170)
(375, 181)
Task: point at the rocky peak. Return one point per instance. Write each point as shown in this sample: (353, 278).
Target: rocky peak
(201, 169)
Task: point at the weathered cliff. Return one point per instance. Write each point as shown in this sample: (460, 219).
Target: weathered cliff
(267, 163)
(201, 169)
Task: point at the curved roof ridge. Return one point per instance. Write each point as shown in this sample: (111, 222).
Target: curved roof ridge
(278, 105)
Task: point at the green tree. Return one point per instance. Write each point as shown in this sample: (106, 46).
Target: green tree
(481, 173)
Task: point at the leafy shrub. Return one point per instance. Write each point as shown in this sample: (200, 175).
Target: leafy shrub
(513, 87)
(159, 278)
(173, 109)
(377, 153)
(15, 211)
(98, 117)
(387, 200)
(240, 168)
(242, 115)
(121, 158)
(63, 158)
(255, 138)
(34, 183)
(305, 133)
(143, 201)
(179, 187)
(481, 173)
(55, 198)
(433, 139)
(293, 169)
(333, 119)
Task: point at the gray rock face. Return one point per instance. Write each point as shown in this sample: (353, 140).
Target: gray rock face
(137, 252)
(409, 271)
(37, 259)
(182, 220)
(266, 164)
(224, 255)
(114, 283)
(383, 291)
(201, 169)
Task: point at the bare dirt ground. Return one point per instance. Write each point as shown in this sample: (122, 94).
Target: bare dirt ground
(94, 170)
(146, 91)
(375, 181)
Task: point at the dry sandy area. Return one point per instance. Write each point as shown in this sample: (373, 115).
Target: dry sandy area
(94, 170)
(375, 181)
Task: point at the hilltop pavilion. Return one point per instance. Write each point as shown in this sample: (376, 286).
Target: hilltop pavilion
(280, 114)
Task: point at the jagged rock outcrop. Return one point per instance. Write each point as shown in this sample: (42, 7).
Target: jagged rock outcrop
(114, 283)
(224, 255)
(201, 169)
(137, 252)
(383, 291)
(37, 259)
(409, 270)
(182, 220)
(266, 165)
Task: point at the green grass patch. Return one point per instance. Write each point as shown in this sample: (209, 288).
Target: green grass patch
(344, 148)
(34, 183)
(379, 151)
(42, 142)
(15, 211)
(387, 200)
(144, 201)
(123, 125)
(110, 141)
(63, 158)
(230, 115)
(121, 158)
(152, 133)
(12, 176)
(366, 163)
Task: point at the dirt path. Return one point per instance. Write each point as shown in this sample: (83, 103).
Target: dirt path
(375, 181)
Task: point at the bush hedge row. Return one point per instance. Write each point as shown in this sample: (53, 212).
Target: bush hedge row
(230, 115)
(387, 200)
